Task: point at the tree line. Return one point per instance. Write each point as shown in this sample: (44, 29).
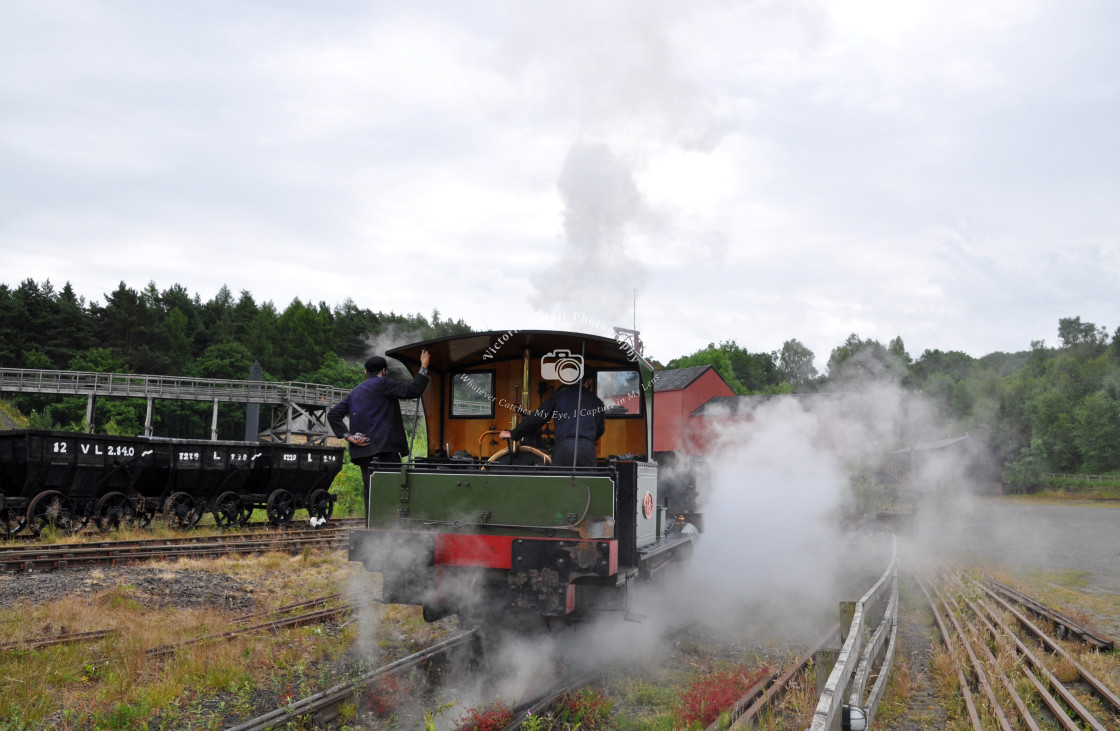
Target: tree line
(172, 332)
(1046, 409)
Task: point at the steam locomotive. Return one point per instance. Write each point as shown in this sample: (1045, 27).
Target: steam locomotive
(495, 531)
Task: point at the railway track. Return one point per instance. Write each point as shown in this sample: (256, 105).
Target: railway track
(326, 706)
(91, 534)
(1013, 673)
(1067, 626)
(56, 556)
(320, 612)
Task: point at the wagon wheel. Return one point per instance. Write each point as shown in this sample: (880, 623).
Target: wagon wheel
(113, 510)
(50, 508)
(229, 512)
(320, 505)
(281, 507)
(181, 510)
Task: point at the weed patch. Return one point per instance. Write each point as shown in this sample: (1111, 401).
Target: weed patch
(708, 695)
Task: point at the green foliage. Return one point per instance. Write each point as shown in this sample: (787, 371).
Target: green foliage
(337, 372)
(172, 332)
(98, 360)
(222, 360)
(1096, 430)
(1072, 332)
(586, 708)
(1025, 474)
(744, 372)
(862, 360)
(12, 418)
(795, 364)
(124, 716)
(35, 358)
(347, 486)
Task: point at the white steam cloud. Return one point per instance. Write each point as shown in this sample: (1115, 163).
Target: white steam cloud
(596, 273)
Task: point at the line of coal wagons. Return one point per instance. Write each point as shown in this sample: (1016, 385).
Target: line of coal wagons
(68, 479)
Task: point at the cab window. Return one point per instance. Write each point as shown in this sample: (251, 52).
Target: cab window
(620, 392)
(472, 394)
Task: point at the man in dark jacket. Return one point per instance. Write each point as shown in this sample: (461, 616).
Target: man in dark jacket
(376, 432)
(578, 422)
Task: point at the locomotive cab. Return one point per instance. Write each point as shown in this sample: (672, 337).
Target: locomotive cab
(494, 530)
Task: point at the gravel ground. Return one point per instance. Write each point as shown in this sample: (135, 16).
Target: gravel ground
(152, 587)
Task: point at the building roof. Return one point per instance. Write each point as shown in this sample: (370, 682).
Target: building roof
(742, 405)
(926, 446)
(677, 379)
(730, 405)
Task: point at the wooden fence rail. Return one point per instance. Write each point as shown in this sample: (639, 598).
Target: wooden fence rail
(870, 641)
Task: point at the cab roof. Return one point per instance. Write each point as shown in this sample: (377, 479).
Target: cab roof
(456, 352)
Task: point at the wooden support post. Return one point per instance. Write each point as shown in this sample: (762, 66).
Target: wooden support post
(214, 423)
(90, 400)
(148, 419)
(824, 661)
(847, 614)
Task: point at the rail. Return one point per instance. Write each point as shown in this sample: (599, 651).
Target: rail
(1099, 479)
(132, 385)
(297, 407)
(875, 613)
(1010, 682)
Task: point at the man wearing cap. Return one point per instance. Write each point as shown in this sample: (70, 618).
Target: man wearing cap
(376, 432)
(578, 422)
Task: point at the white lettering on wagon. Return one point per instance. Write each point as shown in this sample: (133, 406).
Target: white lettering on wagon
(111, 450)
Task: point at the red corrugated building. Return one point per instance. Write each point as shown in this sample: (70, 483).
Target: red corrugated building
(677, 393)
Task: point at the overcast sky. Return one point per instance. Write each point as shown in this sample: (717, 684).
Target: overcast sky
(759, 171)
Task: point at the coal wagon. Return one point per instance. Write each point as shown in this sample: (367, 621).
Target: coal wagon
(69, 479)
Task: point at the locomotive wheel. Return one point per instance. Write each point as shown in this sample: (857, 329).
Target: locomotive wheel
(181, 510)
(49, 509)
(229, 512)
(112, 510)
(320, 505)
(281, 507)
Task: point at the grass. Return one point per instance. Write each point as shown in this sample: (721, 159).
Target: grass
(115, 684)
